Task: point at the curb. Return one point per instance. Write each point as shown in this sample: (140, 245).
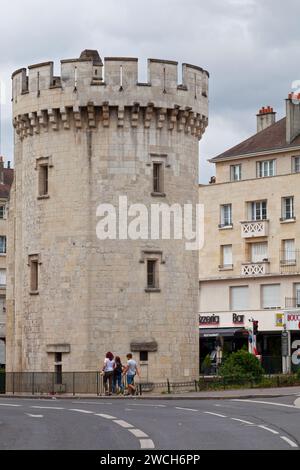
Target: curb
(144, 397)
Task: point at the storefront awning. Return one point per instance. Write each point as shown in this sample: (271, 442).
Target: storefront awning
(224, 332)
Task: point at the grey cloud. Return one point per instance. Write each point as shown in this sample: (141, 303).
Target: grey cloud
(250, 48)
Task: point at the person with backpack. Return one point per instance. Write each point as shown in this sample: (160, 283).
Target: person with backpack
(117, 378)
(131, 370)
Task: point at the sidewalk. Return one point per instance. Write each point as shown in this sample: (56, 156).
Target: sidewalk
(218, 395)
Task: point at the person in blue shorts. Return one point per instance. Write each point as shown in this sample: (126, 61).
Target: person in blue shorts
(131, 370)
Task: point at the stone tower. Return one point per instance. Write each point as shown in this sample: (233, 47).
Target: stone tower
(87, 137)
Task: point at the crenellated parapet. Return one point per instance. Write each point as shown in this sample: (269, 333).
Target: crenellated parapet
(89, 94)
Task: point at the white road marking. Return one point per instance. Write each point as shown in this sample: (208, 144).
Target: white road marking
(297, 403)
(123, 424)
(264, 402)
(106, 416)
(9, 404)
(267, 429)
(91, 403)
(35, 416)
(286, 439)
(155, 406)
(243, 421)
(185, 409)
(215, 414)
(82, 411)
(47, 407)
(138, 433)
(147, 444)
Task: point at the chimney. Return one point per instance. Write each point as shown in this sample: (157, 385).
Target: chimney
(292, 117)
(1, 170)
(8, 165)
(265, 118)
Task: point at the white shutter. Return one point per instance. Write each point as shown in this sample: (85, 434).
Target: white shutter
(271, 296)
(227, 255)
(289, 250)
(2, 277)
(259, 252)
(239, 298)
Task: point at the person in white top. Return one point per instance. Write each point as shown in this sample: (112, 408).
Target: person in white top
(108, 370)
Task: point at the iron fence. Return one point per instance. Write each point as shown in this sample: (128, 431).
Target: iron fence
(290, 261)
(77, 383)
(292, 302)
(91, 383)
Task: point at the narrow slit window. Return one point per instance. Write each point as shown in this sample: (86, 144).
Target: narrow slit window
(43, 180)
(151, 274)
(34, 275)
(157, 178)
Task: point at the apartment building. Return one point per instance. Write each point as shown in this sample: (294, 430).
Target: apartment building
(250, 263)
(6, 178)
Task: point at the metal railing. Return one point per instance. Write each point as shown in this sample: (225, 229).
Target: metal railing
(290, 262)
(292, 302)
(77, 383)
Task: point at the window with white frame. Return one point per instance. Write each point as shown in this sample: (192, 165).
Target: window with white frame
(270, 296)
(296, 164)
(288, 208)
(258, 210)
(2, 245)
(236, 172)
(239, 298)
(266, 168)
(226, 256)
(259, 252)
(226, 215)
(2, 277)
(289, 252)
(297, 294)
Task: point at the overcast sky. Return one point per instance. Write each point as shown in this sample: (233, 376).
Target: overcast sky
(250, 47)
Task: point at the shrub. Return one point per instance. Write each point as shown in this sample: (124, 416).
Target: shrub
(241, 365)
(298, 374)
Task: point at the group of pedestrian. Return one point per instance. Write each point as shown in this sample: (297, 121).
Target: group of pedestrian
(114, 373)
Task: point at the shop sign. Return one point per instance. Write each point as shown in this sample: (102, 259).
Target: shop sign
(279, 320)
(209, 320)
(238, 319)
(292, 321)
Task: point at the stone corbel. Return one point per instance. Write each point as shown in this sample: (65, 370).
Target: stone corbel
(161, 117)
(77, 117)
(53, 118)
(106, 114)
(91, 115)
(135, 114)
(121, 116)
(148, 115)
(65, 117)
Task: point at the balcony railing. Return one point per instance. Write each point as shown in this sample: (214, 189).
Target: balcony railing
(292, 302)
(255, 269)
(290, 262)
(255, 228)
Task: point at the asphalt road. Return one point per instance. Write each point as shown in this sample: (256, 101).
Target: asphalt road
(127, 424)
